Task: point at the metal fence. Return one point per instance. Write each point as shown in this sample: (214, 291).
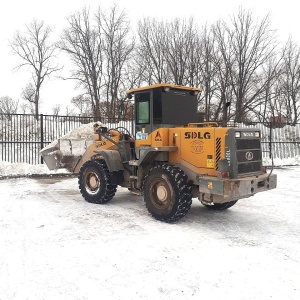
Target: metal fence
(278, 140)
(22, 136)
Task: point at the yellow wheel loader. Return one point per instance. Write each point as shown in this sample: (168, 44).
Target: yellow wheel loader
(172, 158)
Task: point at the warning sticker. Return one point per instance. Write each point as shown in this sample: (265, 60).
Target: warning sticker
(210, 163)
(209, 185)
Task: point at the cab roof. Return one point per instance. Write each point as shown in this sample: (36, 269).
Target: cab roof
(172, 86)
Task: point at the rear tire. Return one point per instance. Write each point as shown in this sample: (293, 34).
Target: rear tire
(221, 206)
(167, 194)
(95, 182)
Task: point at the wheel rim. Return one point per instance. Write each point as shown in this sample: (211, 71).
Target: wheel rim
(161, 194)
(91, 182)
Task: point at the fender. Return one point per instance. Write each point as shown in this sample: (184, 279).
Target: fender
(112, 158)
(114, 163)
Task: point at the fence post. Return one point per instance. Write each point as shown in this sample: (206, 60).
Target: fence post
(270, 141)
(42, 134)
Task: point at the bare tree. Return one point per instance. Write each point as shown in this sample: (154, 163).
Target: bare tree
(56, 109)
(37, 53)
(28, 93)
(179, 39)
(151, 50)
(26, 107)
(245, 45)
(117, 46)
(82, 42)
(69, 111)
(268, 100)
(83, 104)
(99, 48)
(290, 81)
(207, 72)
(8, 105)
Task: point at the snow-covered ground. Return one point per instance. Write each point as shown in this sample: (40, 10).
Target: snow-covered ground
(17, 170)
(54, 245)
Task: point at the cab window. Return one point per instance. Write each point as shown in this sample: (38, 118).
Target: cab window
(142, 108)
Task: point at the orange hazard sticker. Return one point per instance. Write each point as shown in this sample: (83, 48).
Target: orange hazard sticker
(158, 137)
(209, 185)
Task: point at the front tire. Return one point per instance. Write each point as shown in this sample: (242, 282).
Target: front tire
(167, 194)
(95, 182)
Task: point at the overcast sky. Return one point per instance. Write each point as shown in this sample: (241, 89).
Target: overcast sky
(14, 14)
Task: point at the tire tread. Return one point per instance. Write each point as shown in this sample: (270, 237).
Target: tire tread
(184, 190)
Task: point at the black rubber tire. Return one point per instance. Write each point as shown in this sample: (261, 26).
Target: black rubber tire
(221, 206)
(167, 194)
(95, 183)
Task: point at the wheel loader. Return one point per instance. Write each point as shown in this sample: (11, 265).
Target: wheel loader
(172, 158)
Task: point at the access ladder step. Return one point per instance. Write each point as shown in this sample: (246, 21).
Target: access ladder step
(133, 163)
(133, 177)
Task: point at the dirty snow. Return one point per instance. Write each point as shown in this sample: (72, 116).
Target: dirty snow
(54, 245)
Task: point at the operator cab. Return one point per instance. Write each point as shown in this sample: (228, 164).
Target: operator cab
(164, 105)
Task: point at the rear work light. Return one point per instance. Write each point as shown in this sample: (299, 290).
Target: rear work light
(237, 134)
(257, 134)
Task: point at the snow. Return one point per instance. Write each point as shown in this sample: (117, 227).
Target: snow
(22, 169)
(84, 132)
(54, 245)
(13, 169)
(291, 161)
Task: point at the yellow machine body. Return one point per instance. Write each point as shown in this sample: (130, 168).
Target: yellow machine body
(196, 147)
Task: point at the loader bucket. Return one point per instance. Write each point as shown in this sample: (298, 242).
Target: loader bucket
(65, 154)
(51, 157)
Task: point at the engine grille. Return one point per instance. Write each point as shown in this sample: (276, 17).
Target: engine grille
(248, 155)
(243, 144)
(244, 155)
(249, 167)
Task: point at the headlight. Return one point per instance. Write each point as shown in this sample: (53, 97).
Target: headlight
(237, 134)
(257, 134)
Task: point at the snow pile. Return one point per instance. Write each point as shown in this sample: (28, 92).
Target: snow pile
(295, 161)
(84, 132)
(22, 169)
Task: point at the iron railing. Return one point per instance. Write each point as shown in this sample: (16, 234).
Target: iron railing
(22, 136)
(277, 140)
